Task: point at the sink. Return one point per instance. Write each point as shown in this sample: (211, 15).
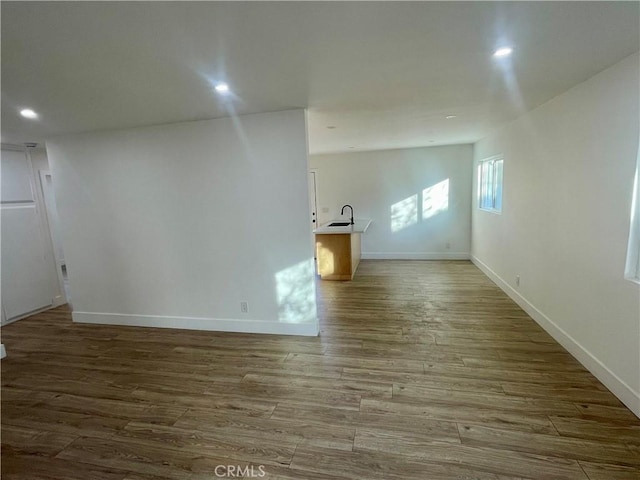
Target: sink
(339, 224)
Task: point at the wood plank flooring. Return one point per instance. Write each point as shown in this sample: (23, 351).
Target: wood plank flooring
(423, 370)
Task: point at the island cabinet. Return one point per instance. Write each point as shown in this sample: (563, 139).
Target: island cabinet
(338, 255)
(338, 249)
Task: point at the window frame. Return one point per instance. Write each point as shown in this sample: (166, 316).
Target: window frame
(632, 266)
(493, 186)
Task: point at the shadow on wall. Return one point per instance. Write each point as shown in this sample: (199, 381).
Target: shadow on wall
(435, 200)
(296, 293)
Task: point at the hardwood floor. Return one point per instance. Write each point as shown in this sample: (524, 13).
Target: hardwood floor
(423, 370)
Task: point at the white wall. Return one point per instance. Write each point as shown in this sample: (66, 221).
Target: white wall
(176, 225)
(568, 178)
(391, 187)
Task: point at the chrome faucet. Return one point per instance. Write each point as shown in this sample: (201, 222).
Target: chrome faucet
(342, 212)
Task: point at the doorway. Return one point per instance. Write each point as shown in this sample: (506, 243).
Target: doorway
(28, 281)
(313, 199)
(313, 213)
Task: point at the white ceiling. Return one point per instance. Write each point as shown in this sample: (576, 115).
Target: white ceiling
(384, 74)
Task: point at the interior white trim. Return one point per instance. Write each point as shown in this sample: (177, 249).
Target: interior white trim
(3, 352)
(61, 298)
(614, 383)
(199, 323)
(415, 256)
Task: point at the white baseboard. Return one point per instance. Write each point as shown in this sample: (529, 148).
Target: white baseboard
(196, 323)
(29, 314)
(614, 383)
(415, 256)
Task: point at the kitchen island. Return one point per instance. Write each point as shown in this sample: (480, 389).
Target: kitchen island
(338, 249)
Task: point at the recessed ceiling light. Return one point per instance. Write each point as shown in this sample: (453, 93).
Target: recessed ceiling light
(451, 117)
(28, 113)
(503, 52)
(222, 88)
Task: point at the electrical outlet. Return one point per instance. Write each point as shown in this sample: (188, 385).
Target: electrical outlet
(448, 246)
(517, 280)
(244, 307)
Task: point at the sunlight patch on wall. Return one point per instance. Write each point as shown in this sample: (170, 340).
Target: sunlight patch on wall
(435, 199)
(296, 293)
(404, 213)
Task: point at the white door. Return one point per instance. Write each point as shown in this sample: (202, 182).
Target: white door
(52, 215)
(26, 274)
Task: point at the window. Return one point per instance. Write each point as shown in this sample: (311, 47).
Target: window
(632, 270)
(490, 184)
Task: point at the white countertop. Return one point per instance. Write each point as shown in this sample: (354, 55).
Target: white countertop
(360, 226)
